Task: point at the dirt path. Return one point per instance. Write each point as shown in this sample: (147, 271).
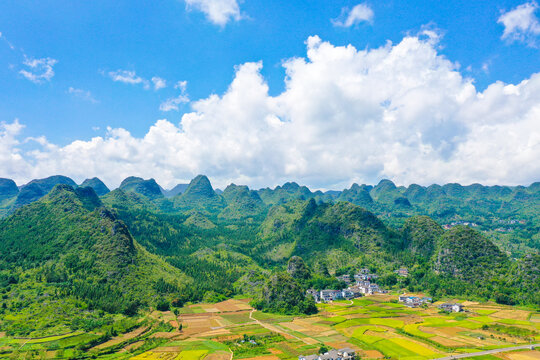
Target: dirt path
(123, 337)
(494, 351)
(275, 328)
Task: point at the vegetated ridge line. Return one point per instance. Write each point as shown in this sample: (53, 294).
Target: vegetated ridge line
(487, 352)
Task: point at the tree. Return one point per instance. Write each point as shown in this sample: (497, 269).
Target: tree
(297, 268)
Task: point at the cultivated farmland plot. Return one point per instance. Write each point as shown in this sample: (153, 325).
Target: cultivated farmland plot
(376, 326)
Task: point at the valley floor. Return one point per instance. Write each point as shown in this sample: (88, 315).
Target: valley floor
(375, 326)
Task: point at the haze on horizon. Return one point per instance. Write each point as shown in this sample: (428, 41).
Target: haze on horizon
(226, 89)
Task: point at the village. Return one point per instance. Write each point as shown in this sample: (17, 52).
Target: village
(359, 285)
(363, 283)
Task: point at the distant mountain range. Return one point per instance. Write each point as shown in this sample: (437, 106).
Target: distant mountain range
(386, 193)
(489, 208)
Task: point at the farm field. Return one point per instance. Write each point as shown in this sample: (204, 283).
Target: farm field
(376, 326)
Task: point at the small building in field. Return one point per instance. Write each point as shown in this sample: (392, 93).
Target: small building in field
(341, 354)
(451, 307)
(414, 301)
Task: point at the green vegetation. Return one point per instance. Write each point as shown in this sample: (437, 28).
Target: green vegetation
(282, 294)
(68, 252)
(75, 265)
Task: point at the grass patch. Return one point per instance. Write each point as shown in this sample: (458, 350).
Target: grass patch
(483, 319)
(393, 349)
(192, 355)
(369, 339)
(414, 330)
(414, 347)
(51, 338)
(272, 318)
(393, 323)
(513, 322)
(237, 318)
(485, 311)
(363, 302)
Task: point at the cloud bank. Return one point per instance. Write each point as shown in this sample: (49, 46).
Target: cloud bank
(401, 111)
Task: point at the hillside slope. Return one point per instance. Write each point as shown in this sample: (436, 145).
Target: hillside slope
(69, 242)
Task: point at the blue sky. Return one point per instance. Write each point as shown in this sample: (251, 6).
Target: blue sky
(86, 45)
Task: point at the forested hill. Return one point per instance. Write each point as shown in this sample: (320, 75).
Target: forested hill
(70, 245)
(134, 248)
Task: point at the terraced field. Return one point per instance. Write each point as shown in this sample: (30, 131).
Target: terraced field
(377, 326)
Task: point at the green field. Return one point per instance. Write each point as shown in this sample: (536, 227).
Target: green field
(369, 324)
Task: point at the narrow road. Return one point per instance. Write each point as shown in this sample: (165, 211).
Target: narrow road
(487, 352)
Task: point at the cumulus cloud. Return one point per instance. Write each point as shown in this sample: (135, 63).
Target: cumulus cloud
(402, 111)
(38, 70)
(521, 24)
(82, 94)
(219, 12)
(159, 83)
(359, 13)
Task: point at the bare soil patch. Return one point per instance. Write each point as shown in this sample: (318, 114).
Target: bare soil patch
(523, 355)
(165, 335)
(220, 355)
(121, 338)
(217, 332)
(512, 314)
(232, 305)
(373, 354)
(448, 342)
(263, 357)
(133, 346)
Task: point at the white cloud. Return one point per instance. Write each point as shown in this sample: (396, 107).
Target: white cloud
(128, 77)
(359, 13)
(159, 83)
(181, 85)
(485, 66)
(402, 111)
(13, 162)
(82, 94)
(39, 70)
(219, 12)
(3, 37)
(173, 103)
(521, 24)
